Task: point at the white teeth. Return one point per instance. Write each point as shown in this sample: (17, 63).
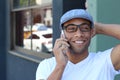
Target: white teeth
(79, 42)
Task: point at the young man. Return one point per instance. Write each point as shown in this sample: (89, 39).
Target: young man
(72, 60)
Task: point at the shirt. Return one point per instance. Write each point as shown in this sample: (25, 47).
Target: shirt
(97, 66)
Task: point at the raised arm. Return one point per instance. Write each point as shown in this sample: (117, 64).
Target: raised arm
(61, 58)
(108, 29)
(114, 31)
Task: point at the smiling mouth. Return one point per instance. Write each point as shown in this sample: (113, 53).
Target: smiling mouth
(79, 42)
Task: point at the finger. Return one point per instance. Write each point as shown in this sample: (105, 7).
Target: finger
(65, 44)
(60, 40)
(64, 49)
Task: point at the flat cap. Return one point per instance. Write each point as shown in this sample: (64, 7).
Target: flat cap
(76, 13)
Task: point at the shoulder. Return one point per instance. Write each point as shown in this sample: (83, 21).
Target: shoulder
(102, 55)
(44, 68)
(48, 61)
(102, 58)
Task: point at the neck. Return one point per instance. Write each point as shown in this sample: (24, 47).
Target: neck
(75, 58)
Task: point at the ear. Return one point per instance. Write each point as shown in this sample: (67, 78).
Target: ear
(93, 32)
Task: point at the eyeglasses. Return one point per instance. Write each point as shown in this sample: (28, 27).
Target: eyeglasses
(84, 27)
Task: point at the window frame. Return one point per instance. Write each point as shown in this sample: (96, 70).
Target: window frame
(17, 50)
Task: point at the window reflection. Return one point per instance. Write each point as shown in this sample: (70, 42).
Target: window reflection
(34, 29)
(29, 3)
(23, 3)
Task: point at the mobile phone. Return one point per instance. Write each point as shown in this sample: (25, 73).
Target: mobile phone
(68, 48)
(63, 34)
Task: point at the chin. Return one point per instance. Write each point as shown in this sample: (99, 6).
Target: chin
(79, 50)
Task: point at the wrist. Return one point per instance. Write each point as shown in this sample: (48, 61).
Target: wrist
(60, 66)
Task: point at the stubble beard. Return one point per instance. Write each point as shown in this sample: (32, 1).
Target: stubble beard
(82, 50)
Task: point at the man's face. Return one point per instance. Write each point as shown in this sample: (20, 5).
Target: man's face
(78, 37)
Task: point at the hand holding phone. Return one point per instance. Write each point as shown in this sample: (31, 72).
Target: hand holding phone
(61, 49)
(66, 45)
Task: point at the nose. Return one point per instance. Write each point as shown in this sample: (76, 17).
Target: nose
(79, 33)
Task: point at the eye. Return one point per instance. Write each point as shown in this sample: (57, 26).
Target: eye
(71, 28)
(85, 28)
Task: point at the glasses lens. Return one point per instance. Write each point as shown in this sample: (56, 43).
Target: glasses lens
(85, 27)
(71, 28)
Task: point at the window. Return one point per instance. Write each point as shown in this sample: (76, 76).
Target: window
(32, 26)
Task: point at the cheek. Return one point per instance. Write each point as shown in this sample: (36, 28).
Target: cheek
(69, 36)
(88, 36)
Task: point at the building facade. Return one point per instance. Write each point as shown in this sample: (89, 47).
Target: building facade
(17, 18)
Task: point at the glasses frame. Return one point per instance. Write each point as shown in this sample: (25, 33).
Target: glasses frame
(77, 26)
